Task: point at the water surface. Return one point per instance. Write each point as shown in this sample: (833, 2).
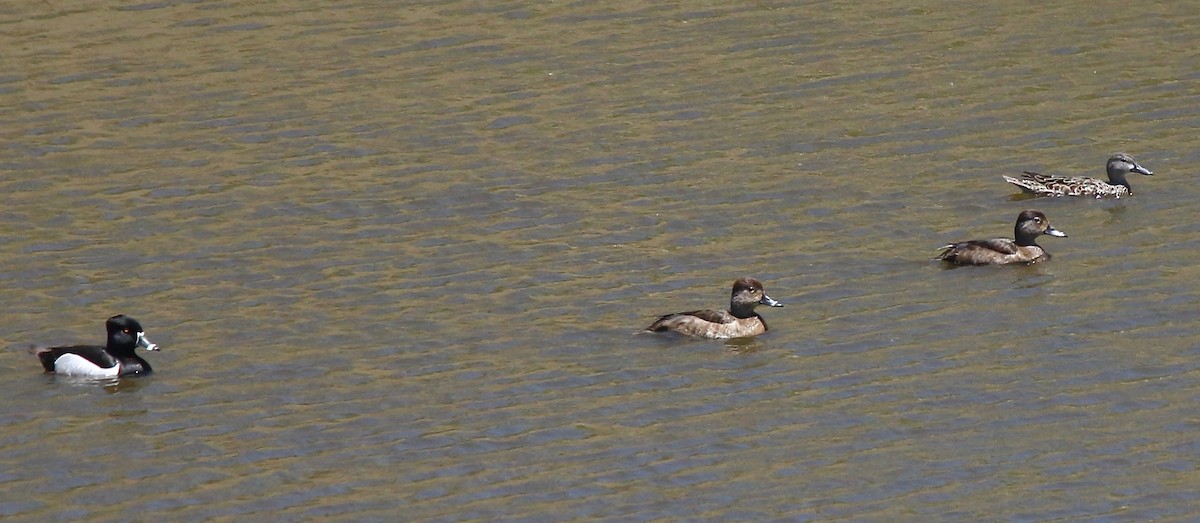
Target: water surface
(396, 257)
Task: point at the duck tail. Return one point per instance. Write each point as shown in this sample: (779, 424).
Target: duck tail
(1025, 184)
(947, 252)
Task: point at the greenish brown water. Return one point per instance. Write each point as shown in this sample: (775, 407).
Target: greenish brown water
(395, 257)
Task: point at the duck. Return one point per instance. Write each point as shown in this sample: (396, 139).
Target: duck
(1119, 165)
(739, 321)
(115, 359)
(1001, 251)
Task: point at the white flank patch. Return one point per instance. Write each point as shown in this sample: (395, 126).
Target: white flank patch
(76, 365)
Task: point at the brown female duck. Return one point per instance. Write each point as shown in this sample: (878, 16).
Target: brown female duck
(737, 322)
(1119, 165)
(1000, 251)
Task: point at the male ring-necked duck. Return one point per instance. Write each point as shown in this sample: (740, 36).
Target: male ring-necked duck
(739, 321)
(110, 361)
(1030, 225)
(1119, 165)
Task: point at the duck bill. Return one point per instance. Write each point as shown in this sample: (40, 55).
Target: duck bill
(767, 300)
(145, 343)
(1055, 232)
(1141, 170)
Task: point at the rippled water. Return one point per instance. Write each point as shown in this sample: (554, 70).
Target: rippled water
(396, 257)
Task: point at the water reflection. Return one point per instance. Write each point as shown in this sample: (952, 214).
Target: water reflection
(109, 385)
(743, 345)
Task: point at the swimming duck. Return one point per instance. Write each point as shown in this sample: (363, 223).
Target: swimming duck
(1119, 165)
(737, 322)
(110, 361)
(1030, 225)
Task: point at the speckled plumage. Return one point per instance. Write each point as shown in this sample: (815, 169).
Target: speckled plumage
(1119, 165)
(1001, 251)
(737, 322)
